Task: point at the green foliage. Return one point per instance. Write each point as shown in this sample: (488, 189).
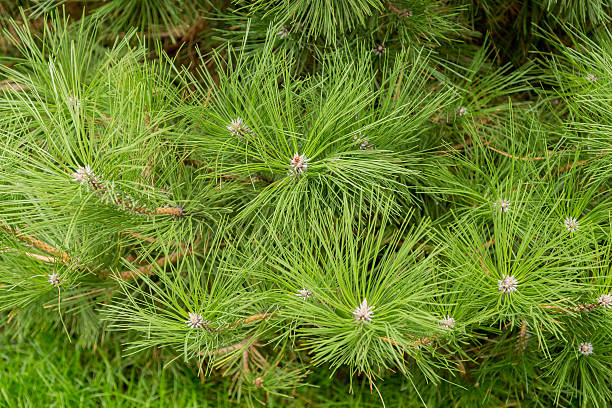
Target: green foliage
(307, 203)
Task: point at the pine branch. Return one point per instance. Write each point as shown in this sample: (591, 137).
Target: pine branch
(488, 146)
(85, 176)
(417, 343)
(233, 347)
(586, 307)
(36, 243)
(10, 86)
(401, 13)
(162, 262)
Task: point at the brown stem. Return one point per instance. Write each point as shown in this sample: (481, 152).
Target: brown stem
(10, 86)
(401, 13)
(463, 371)
(174, 257)
(259, 356)
(488, 145)
(417, 342)
(36, 243)
(232, 347)
(101, 187)
(587, 307)
(245, 360)
(522, 340)
(576, 164)
(43, 258)
(173, 211)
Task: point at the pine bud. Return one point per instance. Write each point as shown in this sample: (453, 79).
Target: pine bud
(503, 204)
(283, 32)
(258, 382)
(238, 128)
(571, 224)
(586, 348)
(54, 279)
(447, 322)
(298, 164)
(507, 284)
(85, 175)
(605, 300)
(363, 143)
(592, 77)
(363, 313)
(304, 294)
(196, 321)
(379, 50)
(462, 111)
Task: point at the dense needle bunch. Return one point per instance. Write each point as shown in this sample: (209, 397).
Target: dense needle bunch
(301, 202)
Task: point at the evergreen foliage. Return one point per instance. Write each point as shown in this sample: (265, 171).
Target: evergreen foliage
(306, 203)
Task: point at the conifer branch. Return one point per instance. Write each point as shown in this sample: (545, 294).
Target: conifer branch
(401, 13)
(11, 86)
(172, 258)
(106, 190)
(36, 243)
(232, 347)
(586, 307)
(42, 258)
(417, 342)
(488, 146)
(523, 334)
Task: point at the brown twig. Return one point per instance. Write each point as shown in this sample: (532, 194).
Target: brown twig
(36, 243)
(245, 360)
(523, 334)
(569, 166)
(417, 342)
(488, 243)
(488, 145)
(167, 210)
(10, 86)
(463, 371)
(401, 13)
(102, 188)
(161, 262)
(232, 347)
(587, 307)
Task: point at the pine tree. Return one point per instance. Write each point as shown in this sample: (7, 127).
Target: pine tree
(306, 203)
